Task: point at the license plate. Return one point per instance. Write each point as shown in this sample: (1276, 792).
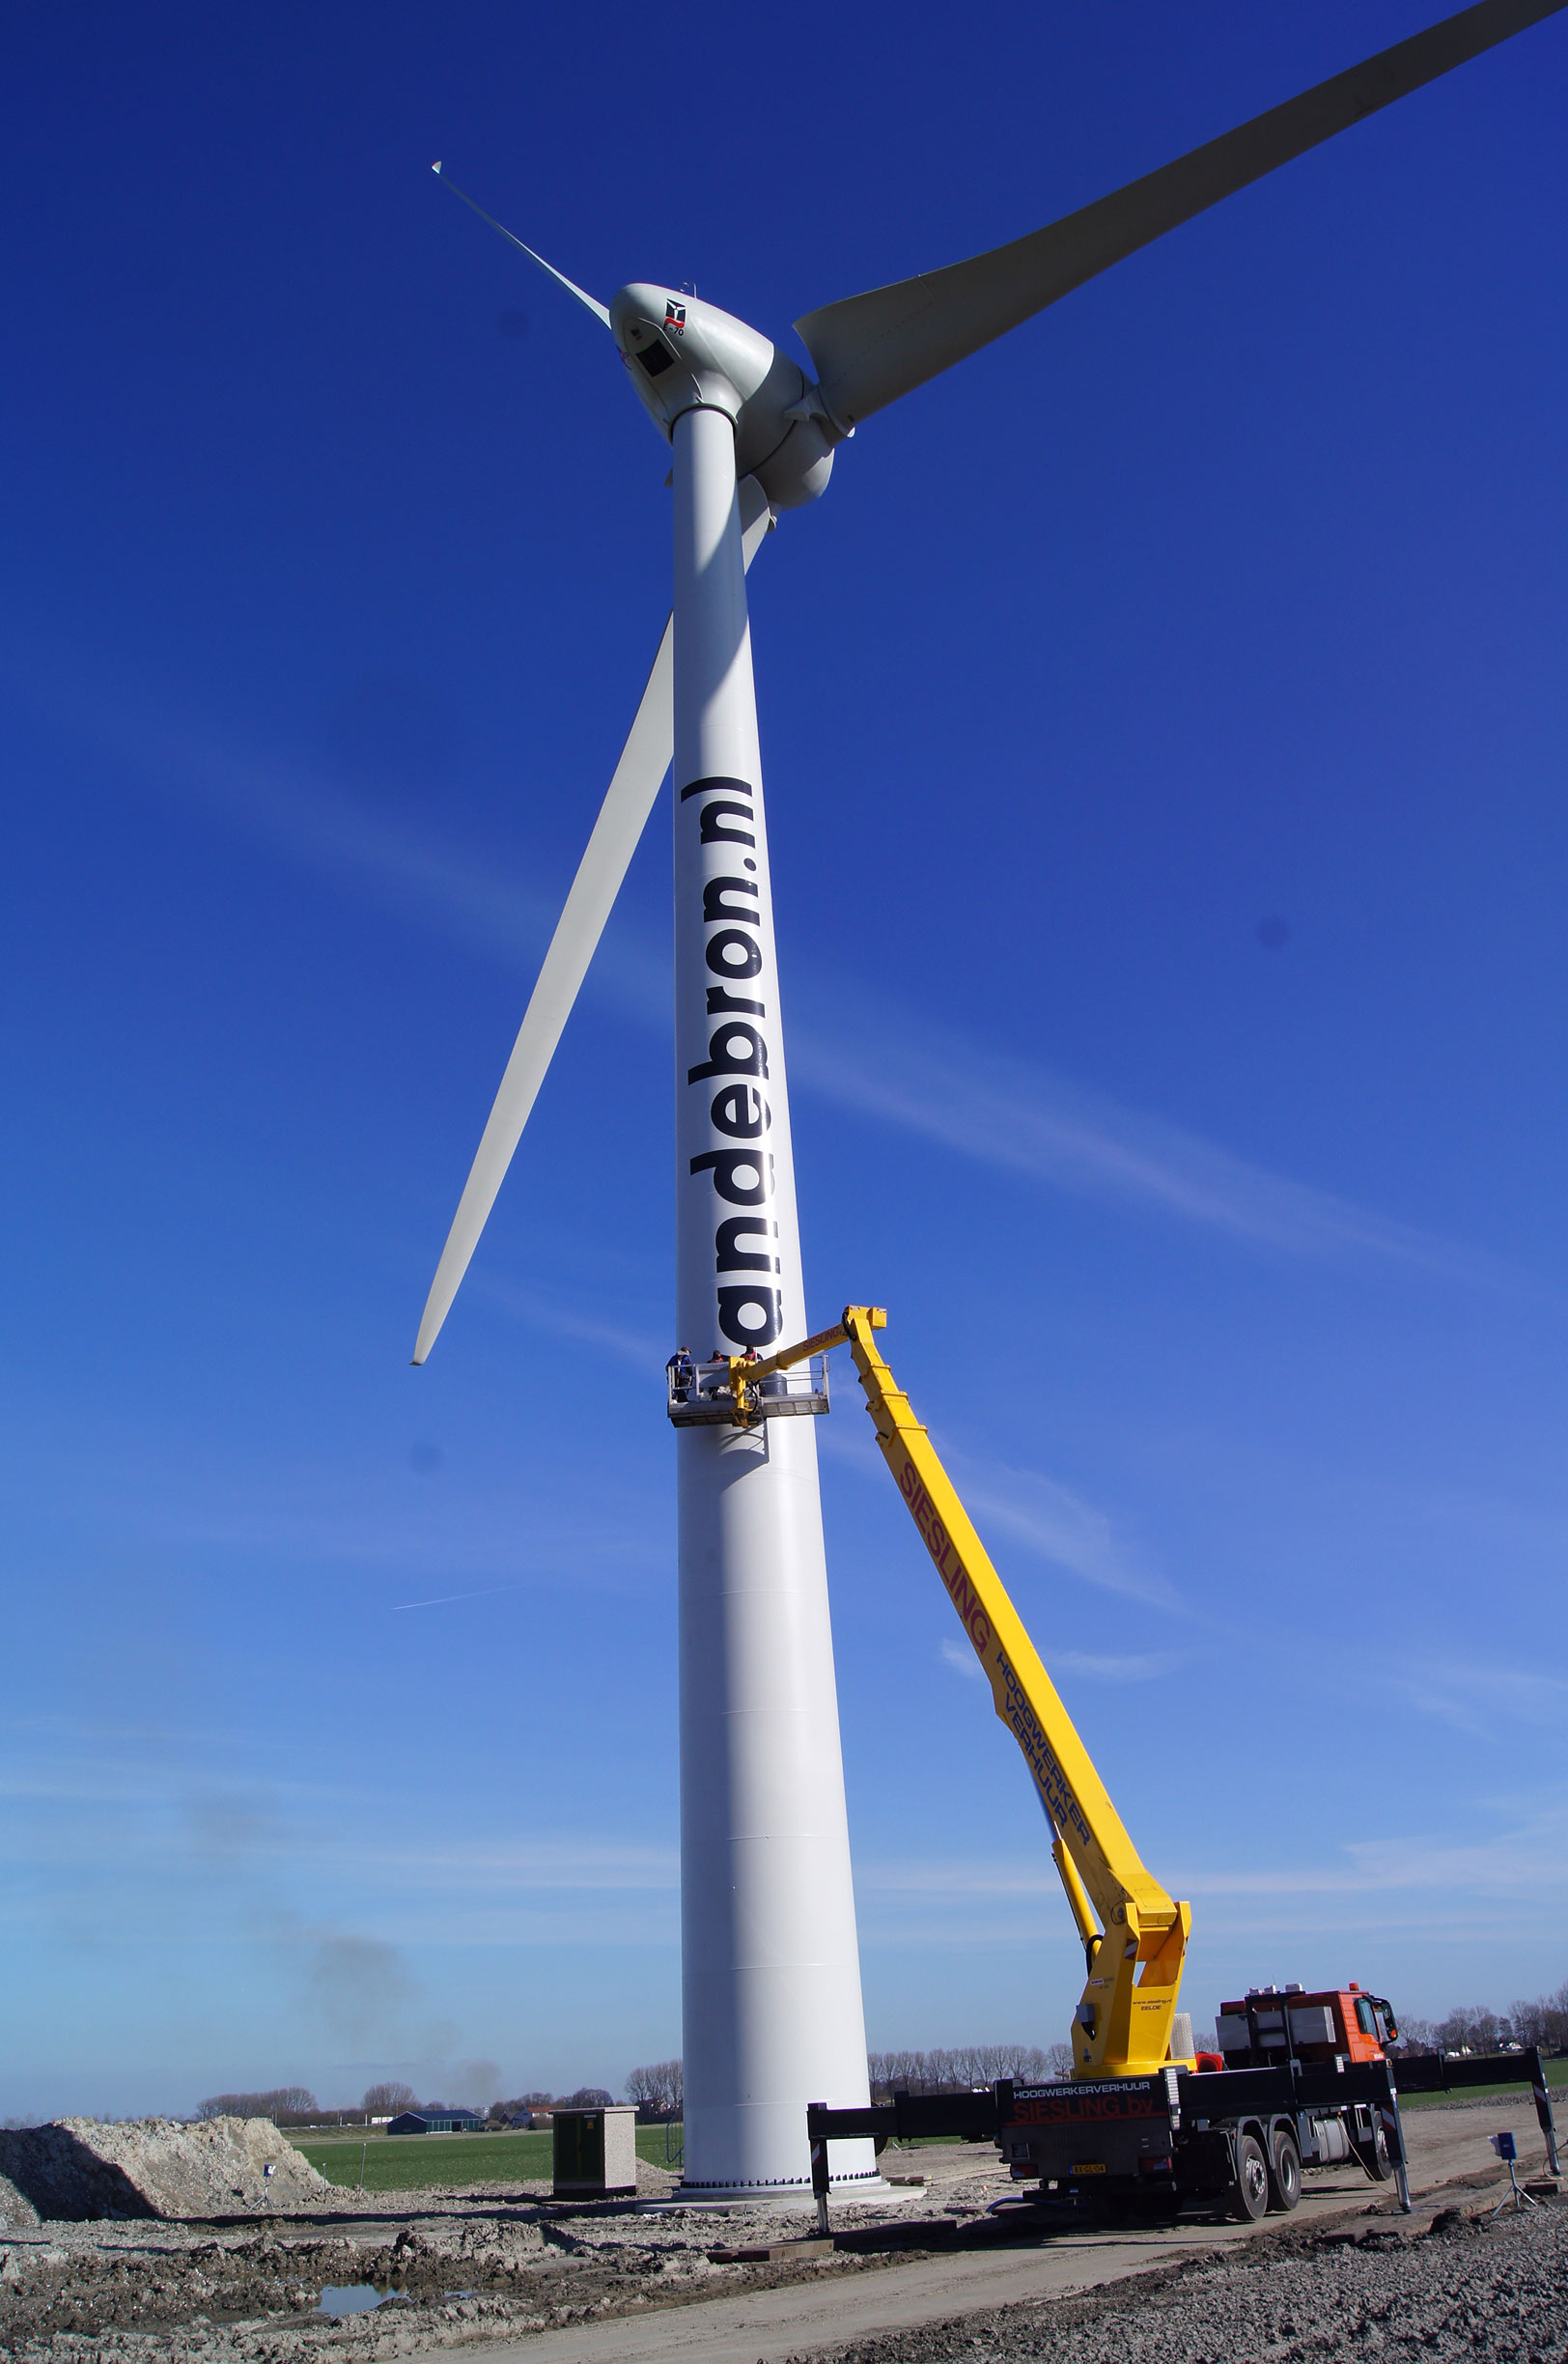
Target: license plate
(1089, 2167)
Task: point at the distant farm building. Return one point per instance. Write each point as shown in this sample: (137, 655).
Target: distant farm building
(436, 2122)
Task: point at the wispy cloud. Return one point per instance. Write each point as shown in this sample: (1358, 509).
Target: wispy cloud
(1139, 1666)
(962, 1659)
(1047, 1518)
(1025, 1119)
(103, 1842)
(1487, 1702)
(641, 1350)
(1008, 1114)
(299, 812)
(1529, 1860)
(946, 1877)
(590, 1860)
(1060, 1527)
(445, 1601)
(293, 804)
(361, 1517)
(78, 1780)
(1524, 1860)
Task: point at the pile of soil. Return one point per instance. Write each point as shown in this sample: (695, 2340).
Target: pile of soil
(17, 2213)
(74, 2170)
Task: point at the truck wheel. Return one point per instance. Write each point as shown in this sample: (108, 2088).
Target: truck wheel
(1374, 2156)
(1251, 2198)
(1285, 2177)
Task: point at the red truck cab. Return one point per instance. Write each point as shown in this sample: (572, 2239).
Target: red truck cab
(1271, 2023)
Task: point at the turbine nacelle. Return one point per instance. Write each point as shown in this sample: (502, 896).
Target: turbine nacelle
(683, 355)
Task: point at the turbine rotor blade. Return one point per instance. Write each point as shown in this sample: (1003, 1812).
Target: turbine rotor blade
(868, 350)
(628, 802)
(571, 286)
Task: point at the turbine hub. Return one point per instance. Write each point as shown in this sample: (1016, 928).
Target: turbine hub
(683, 355)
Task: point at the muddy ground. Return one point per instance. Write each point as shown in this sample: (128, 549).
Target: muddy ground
(507, 2271)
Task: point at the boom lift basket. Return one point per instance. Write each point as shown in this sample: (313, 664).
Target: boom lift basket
(703, 1395)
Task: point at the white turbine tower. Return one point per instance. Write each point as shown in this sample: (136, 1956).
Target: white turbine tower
(771, 1967)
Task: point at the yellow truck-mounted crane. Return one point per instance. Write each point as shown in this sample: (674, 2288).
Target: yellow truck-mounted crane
(1300, 2080)
(1135, 1936)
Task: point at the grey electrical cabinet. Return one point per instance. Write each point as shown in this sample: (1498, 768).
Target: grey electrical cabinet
(596, 2153)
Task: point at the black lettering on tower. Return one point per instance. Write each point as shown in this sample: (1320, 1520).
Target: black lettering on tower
(741, 1111)
(742, 1176)
(733, 953)
(731, 1257)
(714, 907)
(711, 832)
(750, 1316)
(723, 1059)
(702, 787)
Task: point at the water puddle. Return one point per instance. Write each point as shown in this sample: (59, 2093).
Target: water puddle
(355, 2298)
(341, 2299)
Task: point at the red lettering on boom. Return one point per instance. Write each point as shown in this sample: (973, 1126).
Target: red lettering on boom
(939, 1544)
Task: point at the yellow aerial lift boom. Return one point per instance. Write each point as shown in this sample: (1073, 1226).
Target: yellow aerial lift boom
(1298, 2083)
(1135, 1936)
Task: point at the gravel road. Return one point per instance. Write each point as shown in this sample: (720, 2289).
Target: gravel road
(1465, 2289)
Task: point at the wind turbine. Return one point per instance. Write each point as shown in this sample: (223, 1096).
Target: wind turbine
(770, 1966)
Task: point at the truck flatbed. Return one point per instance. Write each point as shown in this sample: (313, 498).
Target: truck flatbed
(1203, 2138)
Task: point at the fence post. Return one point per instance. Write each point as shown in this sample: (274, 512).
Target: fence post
(1543, 2106)
(818, 2165)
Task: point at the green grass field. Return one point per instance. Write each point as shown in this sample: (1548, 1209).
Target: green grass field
(423, 2162)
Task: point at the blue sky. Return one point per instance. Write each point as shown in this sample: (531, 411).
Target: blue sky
(1227, 1259)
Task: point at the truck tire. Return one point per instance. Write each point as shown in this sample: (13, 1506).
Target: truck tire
(1284, 2173)
(1251, 2198)
(1374, 2156)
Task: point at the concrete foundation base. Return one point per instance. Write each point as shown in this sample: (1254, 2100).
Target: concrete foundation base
(861, 2191)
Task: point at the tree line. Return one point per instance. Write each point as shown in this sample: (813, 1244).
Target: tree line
(1473, 2027)
(585, 2096)
(288, 2104)
(965, 2067)
(297, 2105)
(657, 2088)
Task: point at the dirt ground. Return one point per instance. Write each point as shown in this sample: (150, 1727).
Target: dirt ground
(933, 2280)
